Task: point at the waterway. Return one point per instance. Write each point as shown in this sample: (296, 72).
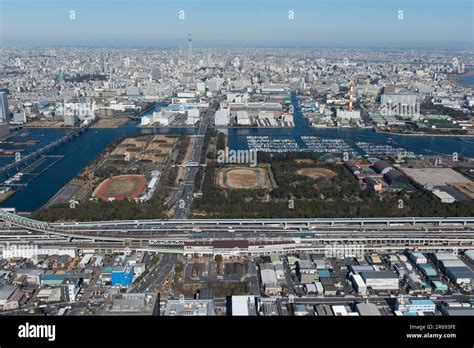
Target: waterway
(81, 150)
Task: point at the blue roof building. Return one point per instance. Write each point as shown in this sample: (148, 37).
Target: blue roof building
(122, 276)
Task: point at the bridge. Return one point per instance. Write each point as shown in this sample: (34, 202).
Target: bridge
(24, 160)
(189, 164)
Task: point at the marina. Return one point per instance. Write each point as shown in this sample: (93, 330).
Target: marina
(378, 150)
(273, 144)
(325, 146)
(82, 149)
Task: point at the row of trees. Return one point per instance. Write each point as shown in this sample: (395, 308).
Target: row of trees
(100, 210)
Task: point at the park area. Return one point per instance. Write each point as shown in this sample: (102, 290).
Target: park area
(316, 173)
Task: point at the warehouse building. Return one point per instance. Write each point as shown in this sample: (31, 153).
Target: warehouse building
(382, 167)
(244, 305)
(222, 117)
(469, 254)
(439, 286)
(189, 308)
(122, 276)
(457, 311)
(417, 257)
(396, 177)
(367, 309)
(380, 280)
(427, 270)
(359, 284)
(412, 306)
(438, 257)
(133, 304)
(460, 275)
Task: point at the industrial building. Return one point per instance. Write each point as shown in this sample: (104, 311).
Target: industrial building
(244, 305)
(243, 118)
(133, 304)
(190, 307)
(380, 280)
(222, 117)
(413, 307)
(166, 118)
(359, 284)
(193, 116)
(417, 257)
(122, 276)
(70, 120)
(367, 309)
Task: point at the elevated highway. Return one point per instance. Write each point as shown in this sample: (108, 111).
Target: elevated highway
(383, 232)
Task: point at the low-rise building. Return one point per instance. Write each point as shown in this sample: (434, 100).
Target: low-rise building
(380, 280)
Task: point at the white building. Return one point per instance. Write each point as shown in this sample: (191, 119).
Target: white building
(222, 117)
(348, 115)
(244, 305)
(243, 118)
(19, 117)
(29, 252)
(443, 196)
(85, 260)
(268, 276)
(359, 284)
(193, 116)
(417, 257)
(166, 117)
(380, 280)
(150, 119)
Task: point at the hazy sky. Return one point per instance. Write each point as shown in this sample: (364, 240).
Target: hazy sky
(329, 23)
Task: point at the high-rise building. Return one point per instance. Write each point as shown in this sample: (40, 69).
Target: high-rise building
(4, 113)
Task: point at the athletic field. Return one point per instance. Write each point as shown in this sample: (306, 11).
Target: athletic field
(121, 187)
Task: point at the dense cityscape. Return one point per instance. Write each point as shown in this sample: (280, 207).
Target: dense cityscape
(257, 181)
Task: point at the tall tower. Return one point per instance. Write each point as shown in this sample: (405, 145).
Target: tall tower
(4, 113)
(190, 44)
(351, 91)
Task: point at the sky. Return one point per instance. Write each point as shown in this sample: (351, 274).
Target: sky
(239, 23)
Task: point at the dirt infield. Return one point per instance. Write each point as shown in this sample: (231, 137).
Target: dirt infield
(155, 149)
(243, 178)
(121, 187)
(316, 173)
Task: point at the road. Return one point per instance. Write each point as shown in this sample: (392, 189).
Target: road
(157, 275)
(185, 199)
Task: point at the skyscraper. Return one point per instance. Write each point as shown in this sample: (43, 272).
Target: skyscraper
(4, 113)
